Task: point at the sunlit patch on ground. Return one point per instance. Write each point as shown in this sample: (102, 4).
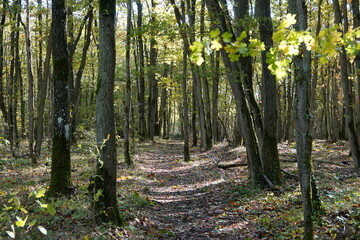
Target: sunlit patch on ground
(163, 197)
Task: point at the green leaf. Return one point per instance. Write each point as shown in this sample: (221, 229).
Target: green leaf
(51, 210)
(243, 50)
(324, 60)
(234, 57)
(24, 210)
(289, 20)
(196, 47)
(215, 33)
(200, 61)
(227, 37)
(20, 222)
(42, 230)
(32, 223)
(216, 45)
(40, 193)
(242, 36)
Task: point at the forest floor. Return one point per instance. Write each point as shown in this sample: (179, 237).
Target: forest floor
(163, 197)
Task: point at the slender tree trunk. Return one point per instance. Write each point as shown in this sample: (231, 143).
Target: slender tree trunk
(348, 99)
(303, 125)
(141, 90)
(105, 198)
(153, 91)
(22, 100)
(42, 100)
(39, 64)
(215, 96)
(2, 92)
(205, 142)
(193, 117)
(315, 74)
(13, 81)
(61, 164)
(127, 156)
(185, 124)
(356, 20)
(77, 81)
(30, 86)
(204, 72)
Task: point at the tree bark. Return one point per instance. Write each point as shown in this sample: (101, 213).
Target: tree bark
(270, 155)
(205, 142)
(61, 164)
(2, 92)
(255, 165)
(42, 92)
(153, 90)
(348, 99)
(302, 73)
(183, 31)
(215, 63)
(105, 202)
(141, 90)
(30, 86)
(77, 81)
(204, 72)
(127, 156)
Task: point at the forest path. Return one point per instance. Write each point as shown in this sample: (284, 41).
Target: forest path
(191, 199)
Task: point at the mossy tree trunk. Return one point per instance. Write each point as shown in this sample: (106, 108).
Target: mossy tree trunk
(104, 201)
(302, 72)
(61, 164)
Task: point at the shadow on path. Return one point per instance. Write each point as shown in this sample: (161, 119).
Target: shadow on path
(191, 198)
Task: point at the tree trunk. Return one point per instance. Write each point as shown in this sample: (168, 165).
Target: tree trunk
(204, 72)
(153, 91)
(215, 63)
(2, 92)
(348, 99)
(270, 155)
(303, 126)
(205, 142)
(193, 117)
(141, 90)
(61, 164)
(42, 99)
(127, 156)
(185, 125)
(30, 86)
(105, 202)
(77, 81)
(255, 165)
(13, 81)
(315, 74)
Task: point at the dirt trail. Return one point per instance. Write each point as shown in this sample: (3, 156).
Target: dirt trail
(191, 198)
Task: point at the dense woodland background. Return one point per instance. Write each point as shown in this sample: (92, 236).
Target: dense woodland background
(99, 83)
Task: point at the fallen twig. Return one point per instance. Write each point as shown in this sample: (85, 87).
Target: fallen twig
(296, 177)
(320, 161)
(231, 165)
